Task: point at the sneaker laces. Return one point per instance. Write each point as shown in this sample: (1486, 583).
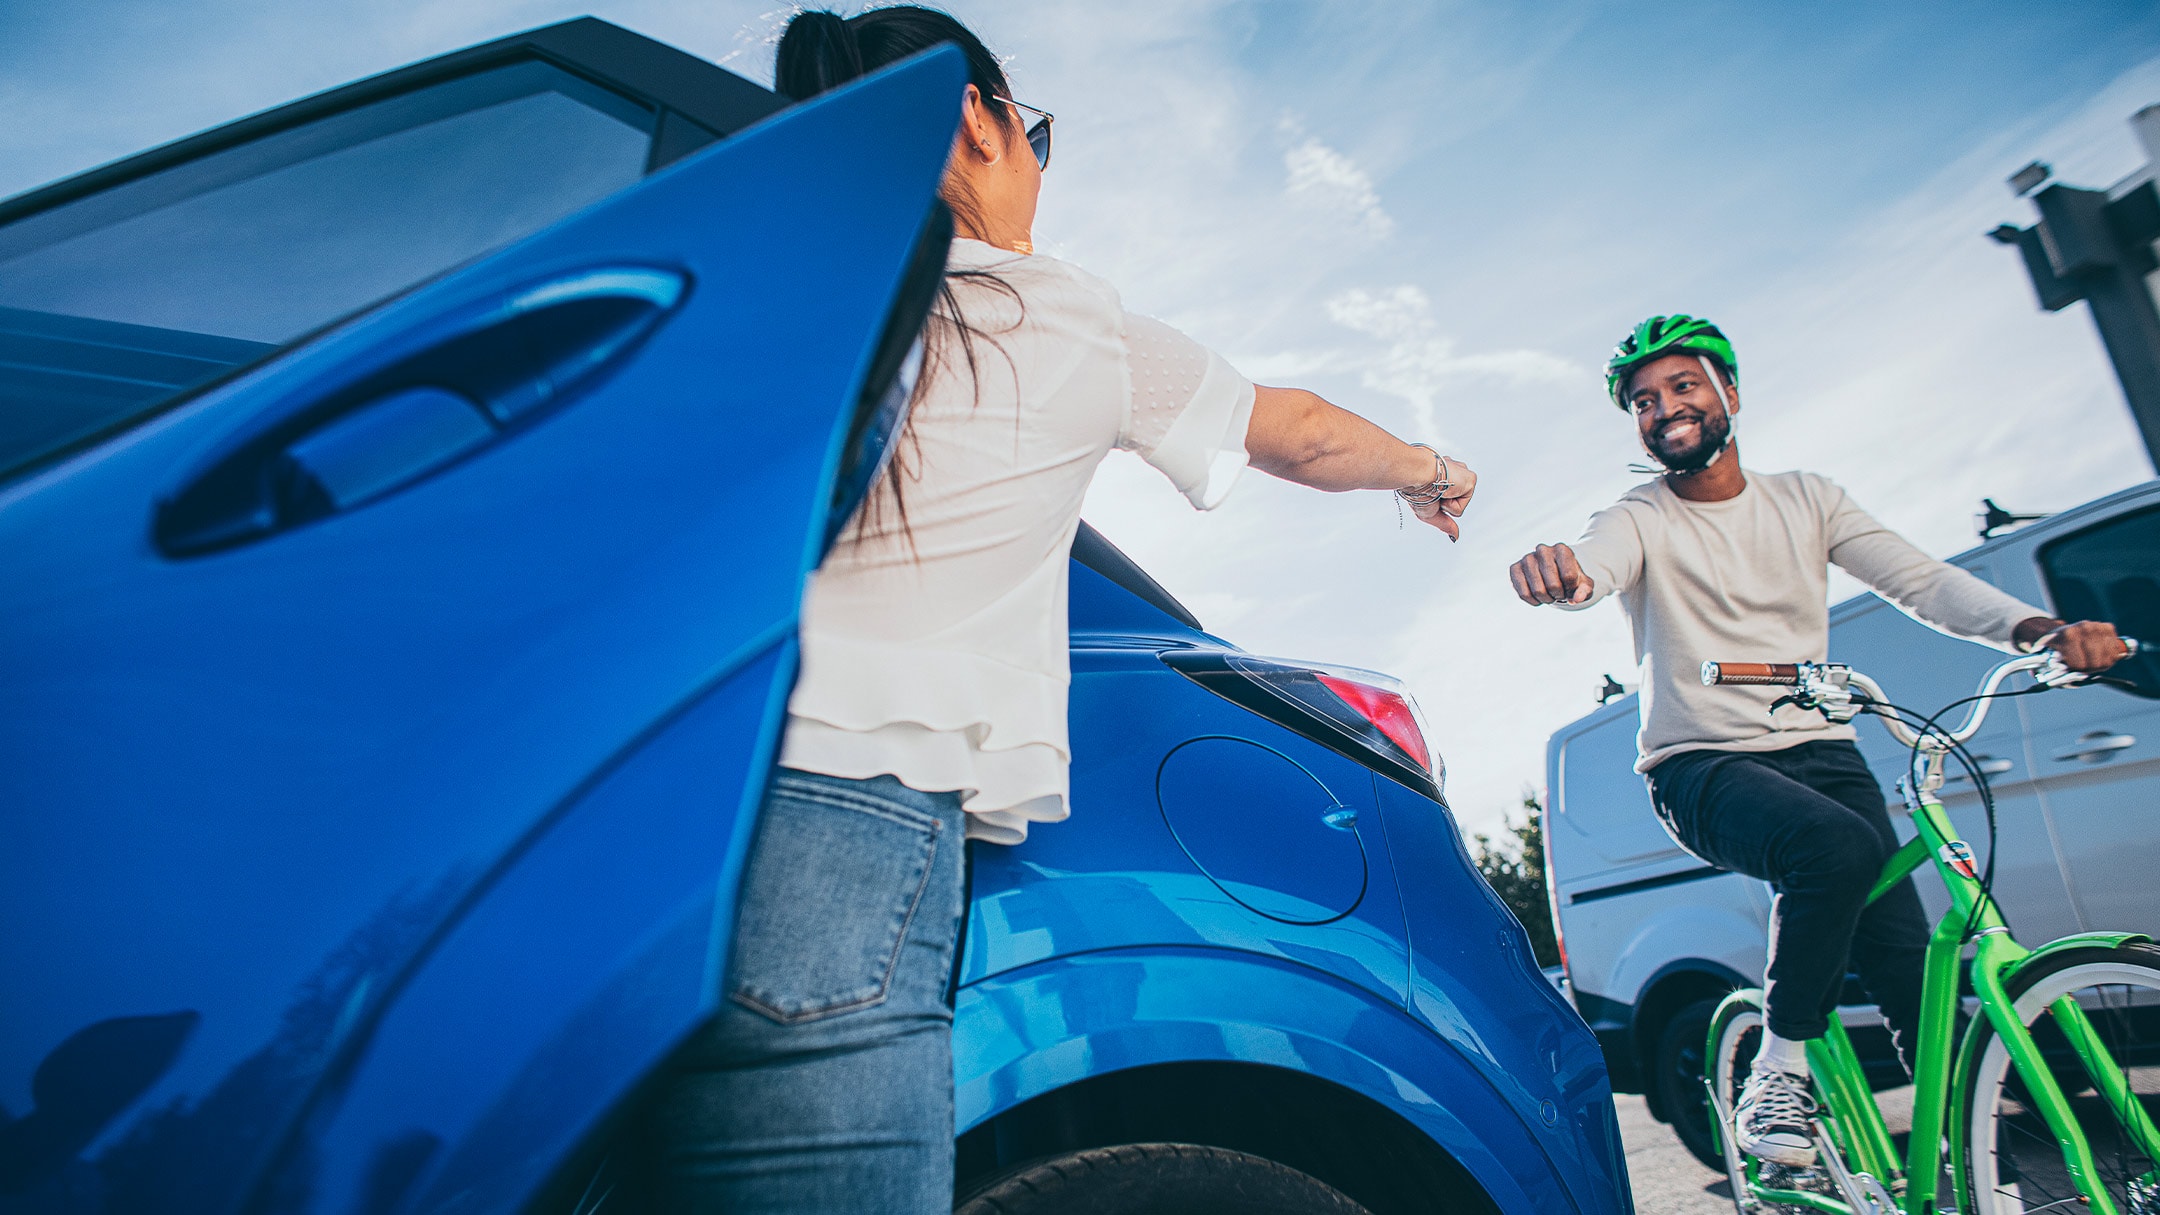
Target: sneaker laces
(1780, 1098)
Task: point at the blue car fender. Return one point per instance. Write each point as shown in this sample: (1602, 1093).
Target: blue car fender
(1027, 1032)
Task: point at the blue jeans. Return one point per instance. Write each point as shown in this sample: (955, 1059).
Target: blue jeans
(825, 1082)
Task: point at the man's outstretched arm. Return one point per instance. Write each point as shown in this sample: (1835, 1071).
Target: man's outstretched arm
(1605, 561)
(1957, 601)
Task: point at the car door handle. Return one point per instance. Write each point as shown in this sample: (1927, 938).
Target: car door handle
(1989, 765)
(415, 403)
(2096, 746)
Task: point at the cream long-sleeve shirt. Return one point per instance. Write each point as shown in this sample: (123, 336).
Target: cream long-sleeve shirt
(1747, 580)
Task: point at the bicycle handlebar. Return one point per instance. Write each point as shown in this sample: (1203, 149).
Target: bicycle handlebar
(1829, 686)
(1714, 673)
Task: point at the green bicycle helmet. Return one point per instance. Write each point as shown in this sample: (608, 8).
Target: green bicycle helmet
(1663, 335)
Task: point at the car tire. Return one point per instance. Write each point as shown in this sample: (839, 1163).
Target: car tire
(1677, 1069)
(1156, 1179)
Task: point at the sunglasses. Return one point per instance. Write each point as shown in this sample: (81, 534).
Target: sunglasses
(1038, 136)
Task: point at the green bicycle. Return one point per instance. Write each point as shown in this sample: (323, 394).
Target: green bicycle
(2042, 1103)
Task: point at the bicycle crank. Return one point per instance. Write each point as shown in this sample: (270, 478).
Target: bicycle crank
(1864, 1194)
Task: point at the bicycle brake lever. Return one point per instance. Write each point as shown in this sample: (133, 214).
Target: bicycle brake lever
(2056, 675)
(1787, 699)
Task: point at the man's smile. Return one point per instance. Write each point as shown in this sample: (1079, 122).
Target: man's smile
(1681, 429)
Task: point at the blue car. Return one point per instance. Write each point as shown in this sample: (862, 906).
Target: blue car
(405, 496)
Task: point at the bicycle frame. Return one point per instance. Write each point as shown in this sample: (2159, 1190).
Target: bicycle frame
(1852, 1120)
(1852, 1116)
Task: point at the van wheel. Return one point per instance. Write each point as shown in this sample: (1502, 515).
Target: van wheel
(1156, 1179)
(1677, 1070)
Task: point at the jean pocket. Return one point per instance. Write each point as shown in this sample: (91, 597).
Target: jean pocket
(831, 892)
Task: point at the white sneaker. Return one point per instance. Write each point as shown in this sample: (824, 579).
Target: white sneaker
(1771, 1120)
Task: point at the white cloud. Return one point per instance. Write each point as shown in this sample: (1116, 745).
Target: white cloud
(1419, 363)
(1323, 178)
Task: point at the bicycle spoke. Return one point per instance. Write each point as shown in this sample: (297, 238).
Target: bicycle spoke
(2026, 1170)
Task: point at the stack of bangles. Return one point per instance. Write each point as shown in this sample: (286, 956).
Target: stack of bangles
(1434, 490)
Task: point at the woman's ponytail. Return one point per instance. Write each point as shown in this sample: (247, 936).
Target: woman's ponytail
(819, 51)
(822, 50)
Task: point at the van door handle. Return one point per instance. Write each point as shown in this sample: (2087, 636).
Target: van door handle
(417, 402)
(1989, 765)
(2096, 746)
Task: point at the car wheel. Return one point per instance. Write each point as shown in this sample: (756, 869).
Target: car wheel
(1156, 1179)
(1677, 1070)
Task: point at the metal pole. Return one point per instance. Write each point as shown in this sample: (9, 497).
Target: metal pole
(2097, 248)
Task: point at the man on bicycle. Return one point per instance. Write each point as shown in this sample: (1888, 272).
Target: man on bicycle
(1714, 562)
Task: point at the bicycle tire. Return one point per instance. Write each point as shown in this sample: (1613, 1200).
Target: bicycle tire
(2011, 1163)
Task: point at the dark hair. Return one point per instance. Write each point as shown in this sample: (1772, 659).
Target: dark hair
(823, 50)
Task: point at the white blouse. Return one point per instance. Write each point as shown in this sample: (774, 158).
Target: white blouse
(941, 657)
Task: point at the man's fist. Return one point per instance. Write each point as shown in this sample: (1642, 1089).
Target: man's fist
(2089, 646)
(1549, 575)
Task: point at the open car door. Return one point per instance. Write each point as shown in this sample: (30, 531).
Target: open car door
(405, 498)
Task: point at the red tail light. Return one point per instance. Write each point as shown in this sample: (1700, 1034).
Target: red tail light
(1362, 714)
(1390, 711)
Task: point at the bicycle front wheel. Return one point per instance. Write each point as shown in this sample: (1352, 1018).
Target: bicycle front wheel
(2013, 1163)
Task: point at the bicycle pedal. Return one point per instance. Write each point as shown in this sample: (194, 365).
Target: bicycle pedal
(1789, 1176)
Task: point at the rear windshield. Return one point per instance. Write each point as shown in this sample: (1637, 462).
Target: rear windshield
(115, 303)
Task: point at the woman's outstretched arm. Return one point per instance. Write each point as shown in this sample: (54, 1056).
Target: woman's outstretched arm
(1299, 437)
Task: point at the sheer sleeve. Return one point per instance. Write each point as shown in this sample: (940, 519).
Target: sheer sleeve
(1186, 410)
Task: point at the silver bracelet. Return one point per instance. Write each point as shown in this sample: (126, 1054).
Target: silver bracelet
(1432, 491)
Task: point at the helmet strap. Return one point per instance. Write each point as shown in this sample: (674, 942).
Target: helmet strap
(1723, 400)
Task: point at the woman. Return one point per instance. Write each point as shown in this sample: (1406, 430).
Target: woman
(931, 702)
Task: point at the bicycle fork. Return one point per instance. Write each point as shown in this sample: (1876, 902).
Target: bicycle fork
(1997, 955)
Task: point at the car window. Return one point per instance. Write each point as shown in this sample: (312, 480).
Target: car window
(114, 303)
(2111, 572)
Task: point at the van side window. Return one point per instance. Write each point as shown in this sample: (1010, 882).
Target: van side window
(2111, 572)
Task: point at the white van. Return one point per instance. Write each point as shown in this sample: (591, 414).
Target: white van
(1652, 937)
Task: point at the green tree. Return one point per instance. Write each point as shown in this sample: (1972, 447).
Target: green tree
(1515, 868)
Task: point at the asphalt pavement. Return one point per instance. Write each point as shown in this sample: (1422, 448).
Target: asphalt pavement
(1667, 1180)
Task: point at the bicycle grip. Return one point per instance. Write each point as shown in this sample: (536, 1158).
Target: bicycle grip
(1715, 673)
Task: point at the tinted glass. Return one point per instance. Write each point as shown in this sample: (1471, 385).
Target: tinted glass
(117, 302)
(2112, 572)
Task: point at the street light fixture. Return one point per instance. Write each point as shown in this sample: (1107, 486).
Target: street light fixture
(2097, 246)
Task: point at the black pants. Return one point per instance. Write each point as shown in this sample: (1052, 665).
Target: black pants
(1810, 821)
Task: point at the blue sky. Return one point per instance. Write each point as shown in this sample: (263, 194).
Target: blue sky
(1441, 215)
